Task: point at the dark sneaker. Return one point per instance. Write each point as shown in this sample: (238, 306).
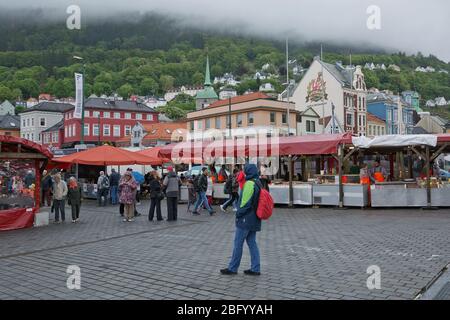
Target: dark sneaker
(227, 271)
(252, 273)
(195, 213)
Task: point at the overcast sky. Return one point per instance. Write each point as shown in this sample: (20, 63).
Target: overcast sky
(406, 25)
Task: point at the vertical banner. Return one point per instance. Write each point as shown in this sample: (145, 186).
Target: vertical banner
(78, 95)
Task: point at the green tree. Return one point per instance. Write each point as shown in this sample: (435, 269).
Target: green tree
(5, 93)
(148, 86)
(166, 82)
(125, 91)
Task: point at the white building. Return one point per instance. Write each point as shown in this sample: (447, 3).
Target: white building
(192, 91)
(41, 117)
(430, 104)
(227, 79)
(440, 102)
(227, 93)
(6, 107)
(324, 85)
(266, 87)
(154, 102)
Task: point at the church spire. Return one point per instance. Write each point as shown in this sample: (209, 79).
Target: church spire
(207, 74)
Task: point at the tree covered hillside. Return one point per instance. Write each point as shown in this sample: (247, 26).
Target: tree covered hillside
(155, 53)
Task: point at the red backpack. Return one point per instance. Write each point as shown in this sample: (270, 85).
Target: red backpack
(265, 204)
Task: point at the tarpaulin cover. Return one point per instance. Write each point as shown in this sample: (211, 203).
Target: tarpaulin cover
(26, 145)
(443, 137)
(107, 155)
(395, 141)
(16, 219)
(154, 153)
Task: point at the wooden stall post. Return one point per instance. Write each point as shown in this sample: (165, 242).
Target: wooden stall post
(341, 167)
(291, 190)
(37, 184)
(427, 155)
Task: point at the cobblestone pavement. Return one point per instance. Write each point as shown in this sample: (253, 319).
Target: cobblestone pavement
(305, 254)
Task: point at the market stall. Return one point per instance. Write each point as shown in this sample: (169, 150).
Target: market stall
(407, 189)
(21, 165)
(96, 159)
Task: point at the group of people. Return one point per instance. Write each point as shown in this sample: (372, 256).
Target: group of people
(55, 192)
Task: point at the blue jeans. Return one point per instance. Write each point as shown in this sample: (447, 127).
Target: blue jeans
(114, 195)
(202, 198)
(240, 237)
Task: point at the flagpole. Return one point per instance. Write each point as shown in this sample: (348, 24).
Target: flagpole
(287, 89)
(323, 92)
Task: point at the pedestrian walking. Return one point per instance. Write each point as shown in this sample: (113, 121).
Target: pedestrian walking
(74, 198)
(171, 186)
(202, 187)
(114, 183)
(156, 196)
(47, 185)
(127, 196)
(232, 188)
(247, 224)
(102, 189)
(59, 198)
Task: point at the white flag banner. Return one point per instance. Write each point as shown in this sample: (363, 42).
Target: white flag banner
(78, 96)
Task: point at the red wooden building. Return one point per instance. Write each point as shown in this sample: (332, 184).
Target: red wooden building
(105, 121)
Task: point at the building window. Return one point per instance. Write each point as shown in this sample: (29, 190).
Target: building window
(32, 137)
(23, 123)
(310, 126)
(239, 120)
(359, 104)
(106, 129)
(127, 130)
(42, 122)
(116, 115)
(116, 131)
(273, 118)
(284, 118)
(95, 114)
(199, 124)
(32, 122)
(150, 117)
(128, 115)
(218, 123)
(382, 131)
(28, 122)
(138, 116)
(250, 118)
(86, 129)
(74, 130)
(86, 114)
(106, 114)
(55, 137)
(207, 123)
(192, 125)
(349, 119)
(95, 130)
(66, 134)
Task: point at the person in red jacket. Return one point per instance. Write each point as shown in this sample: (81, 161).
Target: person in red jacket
(240, 177)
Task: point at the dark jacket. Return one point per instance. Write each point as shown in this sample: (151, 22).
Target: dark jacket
(74, 195)
(202, 183)
(47, 182)
(155, 188)
(246, 217)
(114, 179)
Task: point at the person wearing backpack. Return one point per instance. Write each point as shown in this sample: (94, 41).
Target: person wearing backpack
(102, 188)
(231, 188)
(247, 224)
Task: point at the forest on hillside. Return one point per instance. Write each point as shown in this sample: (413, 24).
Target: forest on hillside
(154, 53)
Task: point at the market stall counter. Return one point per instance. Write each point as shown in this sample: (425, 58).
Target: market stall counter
(326, 191)
(302, 193)
(21, 165)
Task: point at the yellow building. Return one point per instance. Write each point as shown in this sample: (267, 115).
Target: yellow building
(255, 110)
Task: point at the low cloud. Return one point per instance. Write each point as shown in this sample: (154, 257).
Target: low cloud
(406, 25)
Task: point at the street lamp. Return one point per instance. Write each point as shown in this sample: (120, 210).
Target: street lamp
(82, 98)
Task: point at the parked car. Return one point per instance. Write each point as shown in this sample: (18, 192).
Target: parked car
(196, 170)
(444, 174)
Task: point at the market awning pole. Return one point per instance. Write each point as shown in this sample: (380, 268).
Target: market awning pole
(341, 167)
(427, 150)
(291, 190)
